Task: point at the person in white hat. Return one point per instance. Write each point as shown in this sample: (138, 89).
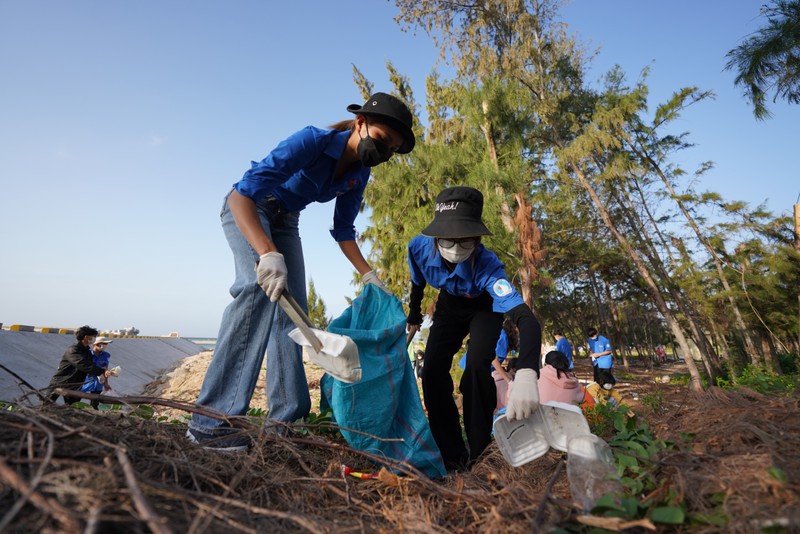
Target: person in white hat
(474, 293)
(260, 218)
(75, 364)
(101, 358)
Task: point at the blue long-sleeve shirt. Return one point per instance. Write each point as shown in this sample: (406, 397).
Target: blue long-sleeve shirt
(300, 170)
(469, 278)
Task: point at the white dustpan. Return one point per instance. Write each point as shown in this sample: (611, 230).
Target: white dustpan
(335, 353)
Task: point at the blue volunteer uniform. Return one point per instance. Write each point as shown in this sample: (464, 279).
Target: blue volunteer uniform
(296, 175)
(601, 344)
(469, 279)
(92, 383)
(500, 351)
(564, 346)
(473, 296)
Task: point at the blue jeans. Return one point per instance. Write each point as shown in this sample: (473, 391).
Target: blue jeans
(251, 325)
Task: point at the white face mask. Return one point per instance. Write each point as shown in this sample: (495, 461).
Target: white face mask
(607, 387)
(455, 254)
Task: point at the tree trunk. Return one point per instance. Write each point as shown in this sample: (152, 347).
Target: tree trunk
(695, 382)
(617, 322)
(748, 342)
(797, 247)
(709, 360)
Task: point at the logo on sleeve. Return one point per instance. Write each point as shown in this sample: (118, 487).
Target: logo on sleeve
(502, 288)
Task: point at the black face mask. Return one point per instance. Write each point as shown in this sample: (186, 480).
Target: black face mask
(372, 152)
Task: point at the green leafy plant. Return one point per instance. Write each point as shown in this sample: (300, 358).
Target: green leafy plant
(601, 419)
(654, 401)
(256, 412)
(790, 363)
(321, 424)
(636, 453)
(763, 381)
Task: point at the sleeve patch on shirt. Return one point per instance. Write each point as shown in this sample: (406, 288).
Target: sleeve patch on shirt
(502, 288)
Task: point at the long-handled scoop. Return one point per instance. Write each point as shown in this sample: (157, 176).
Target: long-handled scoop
(335, 353)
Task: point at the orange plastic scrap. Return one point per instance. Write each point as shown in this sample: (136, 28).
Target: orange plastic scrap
(348, 471)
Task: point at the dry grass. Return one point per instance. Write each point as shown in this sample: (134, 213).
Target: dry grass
(68, 470)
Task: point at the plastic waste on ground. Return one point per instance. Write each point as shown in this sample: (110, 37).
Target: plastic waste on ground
(521, 441)
(590, 463)
(590, 470)
(554, 424)
(563, 423)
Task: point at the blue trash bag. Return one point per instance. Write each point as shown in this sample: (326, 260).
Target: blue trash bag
(385, 403)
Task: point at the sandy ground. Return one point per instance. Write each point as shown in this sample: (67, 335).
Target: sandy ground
(183, 382)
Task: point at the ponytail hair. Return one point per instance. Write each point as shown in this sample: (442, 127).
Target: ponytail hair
(343, 126)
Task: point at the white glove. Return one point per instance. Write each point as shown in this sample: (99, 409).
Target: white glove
(523, 399)
(372, 278)
(271, 272)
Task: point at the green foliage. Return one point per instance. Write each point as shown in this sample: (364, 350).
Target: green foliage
(144, 411)
(767, 60)
(778, 474)
(256, 413)
(456, 372)
(681, 379)
(317, 312)
(763, 381)
(654, 401)
(637, 453)
(320, 424)
(790, 363)
(601, 419)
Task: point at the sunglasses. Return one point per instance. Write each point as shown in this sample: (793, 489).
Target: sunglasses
(467, 243)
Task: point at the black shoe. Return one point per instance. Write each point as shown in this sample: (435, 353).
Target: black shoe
(458, 465)
(231, 442)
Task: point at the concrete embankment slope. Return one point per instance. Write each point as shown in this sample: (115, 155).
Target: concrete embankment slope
(34, 356)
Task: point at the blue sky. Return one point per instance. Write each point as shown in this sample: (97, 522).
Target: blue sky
(123, 124)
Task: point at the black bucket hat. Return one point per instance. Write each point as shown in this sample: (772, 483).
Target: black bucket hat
(458, 214)
(392, 111)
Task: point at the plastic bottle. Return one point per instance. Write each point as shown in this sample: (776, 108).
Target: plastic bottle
(590, 470)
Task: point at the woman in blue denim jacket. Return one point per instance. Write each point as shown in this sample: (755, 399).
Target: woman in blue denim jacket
(260, 220)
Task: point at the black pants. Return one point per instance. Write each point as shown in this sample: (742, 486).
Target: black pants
(454, 318)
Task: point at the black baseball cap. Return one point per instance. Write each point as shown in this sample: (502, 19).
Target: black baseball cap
(391, 111)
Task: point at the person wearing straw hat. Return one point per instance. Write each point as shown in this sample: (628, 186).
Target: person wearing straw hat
(474, 293)
(260, 218)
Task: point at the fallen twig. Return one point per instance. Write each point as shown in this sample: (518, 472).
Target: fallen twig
(156, 523)
(50, 506)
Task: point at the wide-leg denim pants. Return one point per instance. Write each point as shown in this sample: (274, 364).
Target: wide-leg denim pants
(252, 325)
